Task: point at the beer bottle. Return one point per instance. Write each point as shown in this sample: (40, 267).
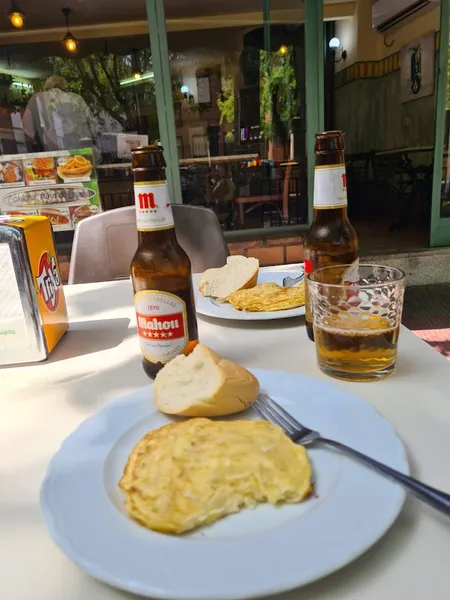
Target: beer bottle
(160, 269)
(331, 240)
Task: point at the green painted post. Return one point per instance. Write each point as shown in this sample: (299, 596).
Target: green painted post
(163, 91)
(266, 21)
(314, 67)
(440, 227)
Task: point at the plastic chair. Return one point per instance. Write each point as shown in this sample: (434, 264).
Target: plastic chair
(104, 244)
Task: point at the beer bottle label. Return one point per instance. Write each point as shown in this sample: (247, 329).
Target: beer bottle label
(153, 208)
(162, 325)
(307, 266)
(330, 187)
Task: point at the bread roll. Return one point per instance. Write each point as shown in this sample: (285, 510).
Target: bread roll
(239, 273)
(204, 385)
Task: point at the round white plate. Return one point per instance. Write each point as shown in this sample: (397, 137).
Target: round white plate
(254, 553)
(221, 310)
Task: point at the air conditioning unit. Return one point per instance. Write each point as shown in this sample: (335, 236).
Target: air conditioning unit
(389, 13)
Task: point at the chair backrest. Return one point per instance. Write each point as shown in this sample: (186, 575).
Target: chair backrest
(104, 244)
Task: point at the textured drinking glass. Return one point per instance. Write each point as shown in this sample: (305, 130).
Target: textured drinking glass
(357, 312)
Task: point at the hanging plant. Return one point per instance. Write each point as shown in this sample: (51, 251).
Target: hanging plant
(226, 105)
(278, 93)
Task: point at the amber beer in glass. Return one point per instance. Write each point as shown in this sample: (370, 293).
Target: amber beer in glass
(331, 240)
(160, 270)
(357, 324)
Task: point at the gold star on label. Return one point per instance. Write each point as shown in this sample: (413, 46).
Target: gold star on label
(170, 334)
(163, 334)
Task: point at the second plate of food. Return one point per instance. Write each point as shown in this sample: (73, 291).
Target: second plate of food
(211, 307)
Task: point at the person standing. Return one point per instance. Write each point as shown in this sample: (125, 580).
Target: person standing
(57, 119)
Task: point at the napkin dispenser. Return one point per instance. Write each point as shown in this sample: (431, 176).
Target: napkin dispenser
(33, 313)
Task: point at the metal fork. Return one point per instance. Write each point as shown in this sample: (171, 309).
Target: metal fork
(269, 410)
(291, 281)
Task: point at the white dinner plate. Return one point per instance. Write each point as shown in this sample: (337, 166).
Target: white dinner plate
(221, 310)
(253, 553)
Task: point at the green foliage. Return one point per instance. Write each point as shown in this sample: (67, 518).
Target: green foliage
(226, 104)
(278, 93)
(97, 79)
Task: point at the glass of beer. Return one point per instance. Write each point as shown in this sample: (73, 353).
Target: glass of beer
(357, 311)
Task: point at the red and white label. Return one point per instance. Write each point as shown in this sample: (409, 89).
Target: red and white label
(153, 208)
(162, 325)
(330, 187)
(48, 281)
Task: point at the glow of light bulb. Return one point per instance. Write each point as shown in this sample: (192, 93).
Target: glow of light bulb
(71, 45)
(334, 43)
(16, 20)
(283, 49)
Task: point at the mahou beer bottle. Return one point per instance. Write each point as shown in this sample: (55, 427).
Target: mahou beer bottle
(331, 240)
(160, 270)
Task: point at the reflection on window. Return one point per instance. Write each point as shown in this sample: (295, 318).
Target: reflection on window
(240, 121)
(68, 124)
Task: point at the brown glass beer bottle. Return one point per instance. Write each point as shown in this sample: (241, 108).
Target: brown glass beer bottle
(160, 269)
(331, 240)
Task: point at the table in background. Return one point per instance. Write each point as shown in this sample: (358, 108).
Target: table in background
(99, 361)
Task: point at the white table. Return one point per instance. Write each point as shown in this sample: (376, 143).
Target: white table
(99, 360)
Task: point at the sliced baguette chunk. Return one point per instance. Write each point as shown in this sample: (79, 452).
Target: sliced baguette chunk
(204, 384)
(239, 273)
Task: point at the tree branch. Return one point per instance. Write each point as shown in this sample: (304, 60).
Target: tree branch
(113, 84)
(87, 83)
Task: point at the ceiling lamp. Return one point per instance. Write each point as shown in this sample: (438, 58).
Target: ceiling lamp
(69, 40)
(15, 15)
(135, 64)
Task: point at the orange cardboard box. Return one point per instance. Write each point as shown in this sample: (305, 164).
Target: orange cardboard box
(33, 313)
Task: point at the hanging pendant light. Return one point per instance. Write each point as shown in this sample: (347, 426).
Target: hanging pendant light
(69, 40)
(135, 64)
(15, 15)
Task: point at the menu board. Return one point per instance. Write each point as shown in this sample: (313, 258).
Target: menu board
(60, 185)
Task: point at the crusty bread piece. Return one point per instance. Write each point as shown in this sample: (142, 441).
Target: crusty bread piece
(204, 384)
(239, 273)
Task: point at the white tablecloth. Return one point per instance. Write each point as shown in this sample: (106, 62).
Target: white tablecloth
(99, 360)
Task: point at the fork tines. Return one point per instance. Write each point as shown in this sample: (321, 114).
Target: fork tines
(270, 410)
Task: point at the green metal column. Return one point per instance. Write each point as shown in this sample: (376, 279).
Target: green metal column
(314, 68)
(163, 91)
(266, 22)
(440, 227)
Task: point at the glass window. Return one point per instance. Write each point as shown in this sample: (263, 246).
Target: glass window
(240, 112)
(70, 111)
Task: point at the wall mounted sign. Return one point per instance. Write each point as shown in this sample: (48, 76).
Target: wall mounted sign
(417, 68)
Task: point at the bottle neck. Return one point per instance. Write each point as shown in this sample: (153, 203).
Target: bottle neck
(157, 238)
(325, 215)
(153, 210)
(330, 187)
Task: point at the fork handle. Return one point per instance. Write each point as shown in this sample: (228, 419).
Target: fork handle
(435, 498)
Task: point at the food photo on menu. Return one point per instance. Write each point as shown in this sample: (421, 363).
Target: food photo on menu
(40, 170)
(11, 173)
(75, 168)
(60, 186)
